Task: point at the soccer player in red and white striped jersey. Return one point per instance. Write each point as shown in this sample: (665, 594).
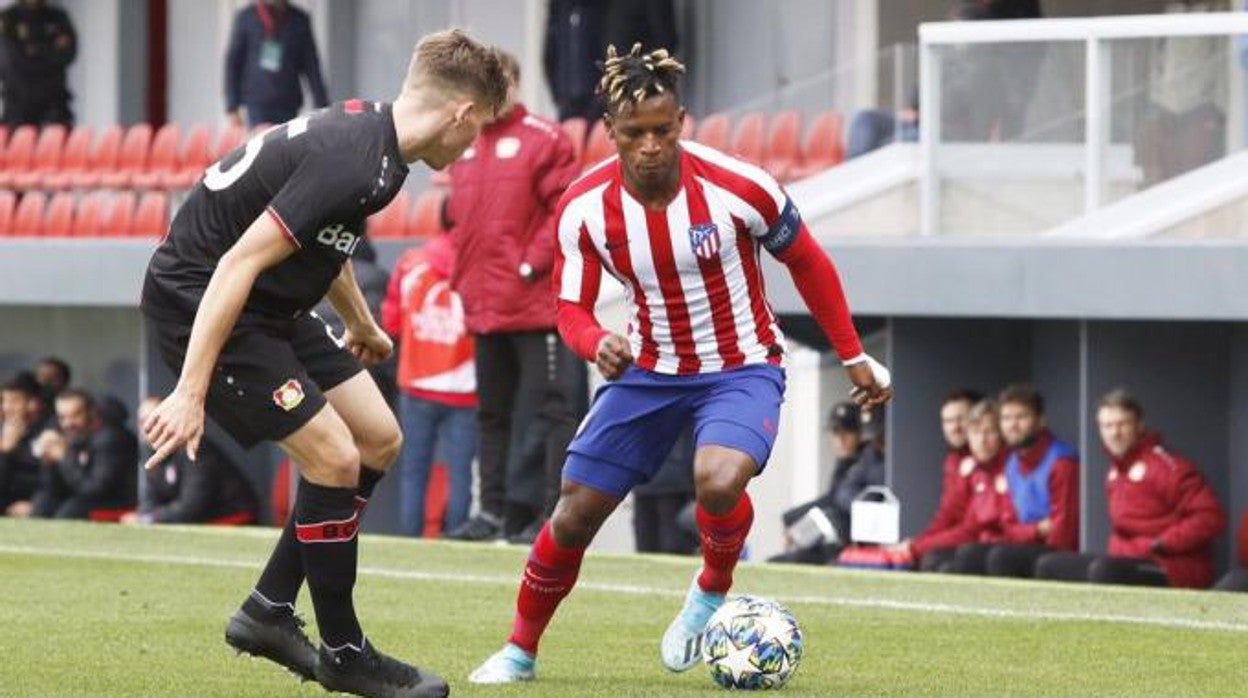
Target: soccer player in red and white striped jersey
(682, 227)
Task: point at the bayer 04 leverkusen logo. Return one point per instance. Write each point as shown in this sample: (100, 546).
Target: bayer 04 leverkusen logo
(289, 396)
(704, 238)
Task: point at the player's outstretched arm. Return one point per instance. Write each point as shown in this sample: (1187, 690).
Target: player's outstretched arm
(365, 338)
(818, 283)
(180, 418)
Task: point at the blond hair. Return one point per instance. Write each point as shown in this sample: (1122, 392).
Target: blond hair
(636, 76)
(452, 61)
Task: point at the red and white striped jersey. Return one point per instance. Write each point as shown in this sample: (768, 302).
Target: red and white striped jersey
(691, 272)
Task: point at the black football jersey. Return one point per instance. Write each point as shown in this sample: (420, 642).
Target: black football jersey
(319, 176)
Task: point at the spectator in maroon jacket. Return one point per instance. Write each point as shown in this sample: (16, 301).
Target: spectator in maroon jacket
(988, 509)
(531, 388)
(956, 490)
(1042, 475)
(1163, 514)
(1237, 579)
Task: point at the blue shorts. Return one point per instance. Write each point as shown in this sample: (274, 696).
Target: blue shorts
(635, 420)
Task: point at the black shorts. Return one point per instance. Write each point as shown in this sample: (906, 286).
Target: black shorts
(267, 383)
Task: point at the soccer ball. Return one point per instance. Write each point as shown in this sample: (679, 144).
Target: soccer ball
(752, 644)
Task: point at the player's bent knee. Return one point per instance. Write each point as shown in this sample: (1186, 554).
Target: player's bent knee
(720, 482)
(380, 452)
(335, 466)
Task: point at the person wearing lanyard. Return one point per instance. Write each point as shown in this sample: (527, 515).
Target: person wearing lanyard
(271, 46)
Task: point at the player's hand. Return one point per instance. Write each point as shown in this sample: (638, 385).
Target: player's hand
(369, 343)
(872, 382)
(49, 447)
(235, 118)
(177, 421)
(614, 356)
(1044, 527)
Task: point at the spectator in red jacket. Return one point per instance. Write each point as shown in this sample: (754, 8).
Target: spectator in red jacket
(437, 381)
(1042, 476)
(954, 493)
(1163, 515)
(532, 389)
(988, 510)
(1237, 579)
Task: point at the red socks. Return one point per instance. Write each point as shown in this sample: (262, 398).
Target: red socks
(548, 577)
(722, 540)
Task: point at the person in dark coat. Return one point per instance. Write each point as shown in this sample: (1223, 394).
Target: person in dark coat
(37, 45)
(271, 48)
(859, 464)
(88, 465)
(210, 490)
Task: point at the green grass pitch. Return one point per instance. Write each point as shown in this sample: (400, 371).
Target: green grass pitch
(98, 610)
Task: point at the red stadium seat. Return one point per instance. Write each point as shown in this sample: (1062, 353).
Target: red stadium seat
(195, 158)
(4, 140)
(783, 145)
(242, 518)
(825, 147)
(576, 129)
(231, 138)
(713, 131)
(440, 178)
(162, 160)
(28, 218)
(390, 221)
(58, 219)
(108, 515)
(687, 127)
(599, 147)
(118, 215)
(425, 218)
(89, 216)
(103, 158)
(73, 159)
(135, 148)
(45, 159)
(748, 139)
(18, 154)
(8, 201)
(152, 216)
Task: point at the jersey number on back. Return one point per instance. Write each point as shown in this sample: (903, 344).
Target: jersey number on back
(217, 179)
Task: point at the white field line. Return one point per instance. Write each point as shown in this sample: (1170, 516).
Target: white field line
(852, 602)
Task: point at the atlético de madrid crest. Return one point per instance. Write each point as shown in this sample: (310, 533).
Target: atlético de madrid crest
(704, 238)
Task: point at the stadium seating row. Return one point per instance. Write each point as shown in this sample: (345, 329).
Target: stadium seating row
(101, 214)
(774, 141)
(401, 218)
(137, 157)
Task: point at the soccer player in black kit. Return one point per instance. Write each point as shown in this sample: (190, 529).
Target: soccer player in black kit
(266, 234)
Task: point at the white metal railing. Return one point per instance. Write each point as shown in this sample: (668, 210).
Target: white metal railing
(1095, 34)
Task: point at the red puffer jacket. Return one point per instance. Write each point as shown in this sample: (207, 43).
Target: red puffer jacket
(1157, 496)
(504, 191)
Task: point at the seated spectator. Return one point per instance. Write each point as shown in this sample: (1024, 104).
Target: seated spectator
(989, 510)
(1042, 478)
(1163, 515)
(1237, 579)
(437, 381)
(957, 467)
(875, 128)
(88, 465)
(21, 409)
(53, 375)
(658, 505)
(209, 490)
(858, 465)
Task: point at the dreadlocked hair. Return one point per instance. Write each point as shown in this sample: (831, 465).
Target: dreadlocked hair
(635, 76)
